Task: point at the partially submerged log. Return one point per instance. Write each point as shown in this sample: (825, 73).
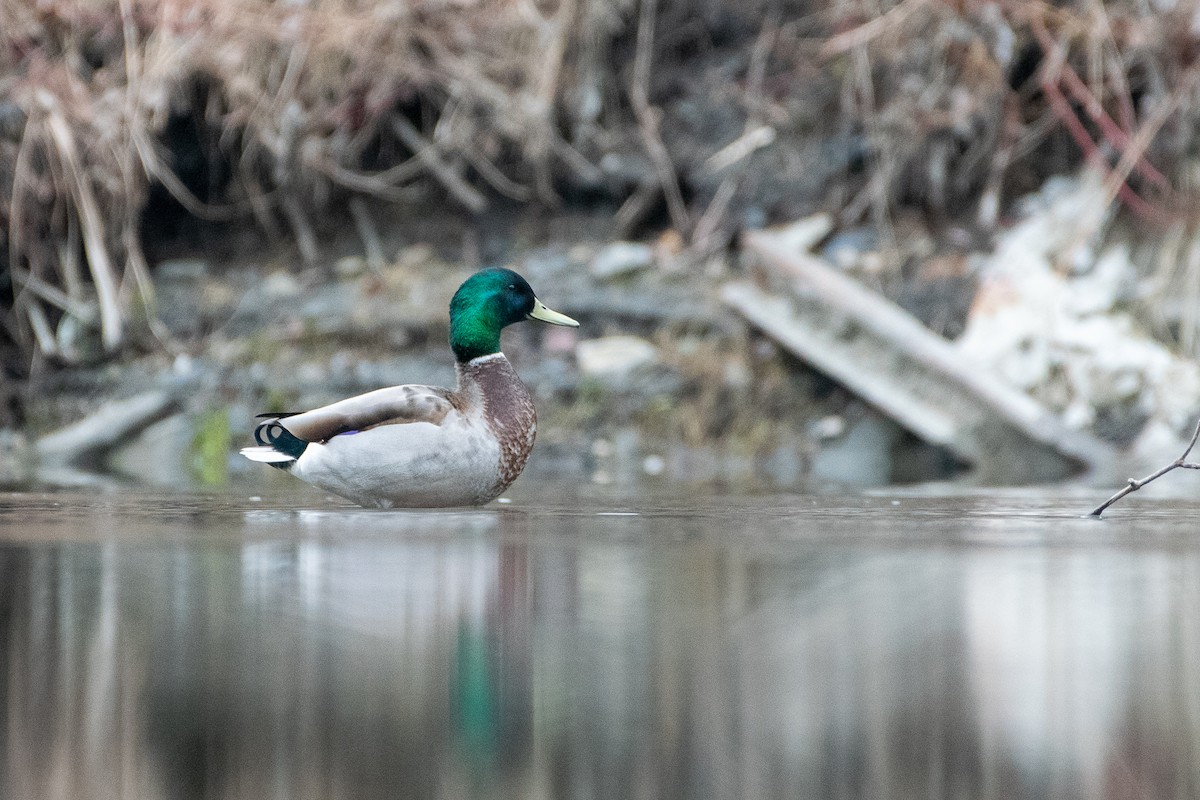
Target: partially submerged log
(89, 440)
(881, 353)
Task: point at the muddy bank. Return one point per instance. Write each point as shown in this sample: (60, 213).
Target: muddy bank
(661, 382)
(783, 363)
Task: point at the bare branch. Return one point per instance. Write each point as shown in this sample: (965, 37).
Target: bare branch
(1134, 485)
(91, 222)
(446, 174)
(649, 119)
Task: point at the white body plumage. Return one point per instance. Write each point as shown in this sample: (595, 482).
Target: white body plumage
(416, 446)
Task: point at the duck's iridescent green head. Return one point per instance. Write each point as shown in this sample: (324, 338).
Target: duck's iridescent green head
(485, 303)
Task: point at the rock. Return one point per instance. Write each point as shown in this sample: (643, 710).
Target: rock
(350, 267)
(181, 269)
(754, 217)
(415, 256)
(280, 284)
(845, 249)
(861, 457)
(549, 263)
(784, 465)
(828, 428)
(614, 356)
(653, 465)
(625, 168)
(79, 340)
(17, 459)
(181, 285)
(621, 258)
(12, 121)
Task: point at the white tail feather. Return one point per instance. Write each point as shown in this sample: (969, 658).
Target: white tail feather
(266, 455)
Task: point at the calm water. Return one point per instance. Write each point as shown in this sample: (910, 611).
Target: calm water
(158, 646)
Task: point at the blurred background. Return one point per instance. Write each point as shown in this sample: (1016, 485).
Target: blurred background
(216, 208)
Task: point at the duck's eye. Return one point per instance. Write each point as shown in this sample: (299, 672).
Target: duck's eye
(512, 286)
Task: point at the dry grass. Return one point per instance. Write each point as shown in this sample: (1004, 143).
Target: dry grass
(300, 102)
(959, 105)
(995, 87)
(1000, 95)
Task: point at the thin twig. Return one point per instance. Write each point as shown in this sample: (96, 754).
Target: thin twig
(1134, 485)
(47, 292)
(68, 260)
(1063, 110)
(91, 222)
(1117, 137)
(635, 208)
(306, 239)
(42, 332)
(446, 174)
(745, 145)
(23, 177)
(586, 170)
(863, 34)
(365, 225)
(649, 119)
(1059, 71)
(1052, 73)
(1148, 130)
(709, 236)
(988, 212)
(540, 143)
(494, 177)
(378, 184)
(760, 55)
(157, 169)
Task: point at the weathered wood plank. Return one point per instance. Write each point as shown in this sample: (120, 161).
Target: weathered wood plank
(887, 357)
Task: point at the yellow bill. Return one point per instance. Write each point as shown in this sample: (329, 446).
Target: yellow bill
(540, 312)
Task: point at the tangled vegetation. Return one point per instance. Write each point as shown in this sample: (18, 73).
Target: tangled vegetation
(276, 112)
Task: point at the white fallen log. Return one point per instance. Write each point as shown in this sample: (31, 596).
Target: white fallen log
(887, 357)
(110, 426)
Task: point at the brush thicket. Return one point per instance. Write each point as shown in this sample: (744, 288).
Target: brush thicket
(295, 106)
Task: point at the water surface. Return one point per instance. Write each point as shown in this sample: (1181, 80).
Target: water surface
(598, 646)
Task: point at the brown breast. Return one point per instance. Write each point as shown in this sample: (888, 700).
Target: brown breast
(507, 408)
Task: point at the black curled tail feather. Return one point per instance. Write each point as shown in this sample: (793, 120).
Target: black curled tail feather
(272, 434)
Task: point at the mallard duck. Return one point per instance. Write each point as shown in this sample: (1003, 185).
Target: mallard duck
(425, 446)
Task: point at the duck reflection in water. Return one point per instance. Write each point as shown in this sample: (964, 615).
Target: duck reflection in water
(501, 654)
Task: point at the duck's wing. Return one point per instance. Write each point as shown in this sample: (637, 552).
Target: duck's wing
(391, 406)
